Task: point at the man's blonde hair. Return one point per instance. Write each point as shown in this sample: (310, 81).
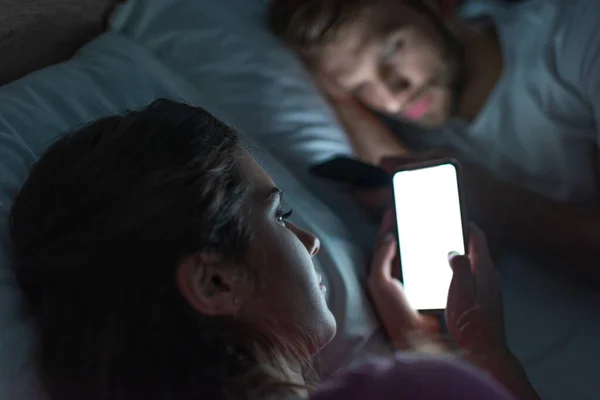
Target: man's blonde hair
(307, 25)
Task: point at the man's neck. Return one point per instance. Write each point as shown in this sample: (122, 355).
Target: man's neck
(484, 65)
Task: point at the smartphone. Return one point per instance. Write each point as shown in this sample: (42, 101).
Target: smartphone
(431, 223)
(353, 172)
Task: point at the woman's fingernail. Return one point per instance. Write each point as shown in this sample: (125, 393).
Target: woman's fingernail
(452, 254)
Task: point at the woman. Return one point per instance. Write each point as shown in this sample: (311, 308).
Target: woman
(156, 262)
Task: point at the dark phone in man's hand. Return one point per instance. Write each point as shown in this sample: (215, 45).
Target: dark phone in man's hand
(353, 172)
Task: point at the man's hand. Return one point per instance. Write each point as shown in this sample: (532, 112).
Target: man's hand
(393, 164)
(335, 93)
(369, 136)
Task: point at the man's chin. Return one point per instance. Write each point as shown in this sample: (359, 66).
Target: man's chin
(428, 122)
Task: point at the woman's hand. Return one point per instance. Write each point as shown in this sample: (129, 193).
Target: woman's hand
(403, 324)
(474, 312)
(475, 317)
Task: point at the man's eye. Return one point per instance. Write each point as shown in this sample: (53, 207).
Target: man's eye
(283, 216)
(391, 50)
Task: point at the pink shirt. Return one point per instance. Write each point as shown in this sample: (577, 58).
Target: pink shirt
(409, 377)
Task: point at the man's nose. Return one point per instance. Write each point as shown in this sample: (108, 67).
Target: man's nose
(395, 93)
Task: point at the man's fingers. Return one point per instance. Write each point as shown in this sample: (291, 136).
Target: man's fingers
(374, 198)
(333, 89)
(393, 164)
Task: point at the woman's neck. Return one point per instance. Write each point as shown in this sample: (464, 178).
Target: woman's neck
(297, 378)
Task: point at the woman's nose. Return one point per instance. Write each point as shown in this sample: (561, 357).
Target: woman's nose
(309, 240)
(314, 245)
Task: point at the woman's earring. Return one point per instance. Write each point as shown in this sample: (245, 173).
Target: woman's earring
(236, 300)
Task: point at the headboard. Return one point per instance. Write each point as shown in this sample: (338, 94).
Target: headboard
(38, 33)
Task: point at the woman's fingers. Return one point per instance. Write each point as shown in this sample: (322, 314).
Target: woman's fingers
(462, 295)
(487, 280)
(375, 201)
(478, 247)
(385, 246)
(462, 283)
(384, 257)
(388, 223)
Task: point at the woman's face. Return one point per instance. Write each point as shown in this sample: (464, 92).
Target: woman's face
(289, 297)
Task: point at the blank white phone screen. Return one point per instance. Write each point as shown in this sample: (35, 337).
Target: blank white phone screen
(429, 227)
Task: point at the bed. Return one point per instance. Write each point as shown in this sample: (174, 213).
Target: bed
(200, 52)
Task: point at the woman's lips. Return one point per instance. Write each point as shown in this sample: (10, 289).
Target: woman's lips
(418, 108)
(321, 285)
(323, 288)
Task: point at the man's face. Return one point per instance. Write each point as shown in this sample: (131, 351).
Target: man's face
(413, 71)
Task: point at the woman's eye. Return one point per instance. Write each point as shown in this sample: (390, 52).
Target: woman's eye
(283, 216)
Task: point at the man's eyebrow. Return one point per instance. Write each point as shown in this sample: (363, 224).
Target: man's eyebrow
(274, 193)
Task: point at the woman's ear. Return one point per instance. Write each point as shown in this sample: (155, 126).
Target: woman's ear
(211, 285)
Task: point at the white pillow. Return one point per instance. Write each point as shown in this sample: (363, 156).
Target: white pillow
(224, 48)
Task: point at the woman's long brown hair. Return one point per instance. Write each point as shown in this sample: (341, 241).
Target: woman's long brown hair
(98, 230)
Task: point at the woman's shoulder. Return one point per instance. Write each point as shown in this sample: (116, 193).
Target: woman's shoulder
(414, 376)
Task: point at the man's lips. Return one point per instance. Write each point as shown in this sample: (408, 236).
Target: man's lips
(418, 108)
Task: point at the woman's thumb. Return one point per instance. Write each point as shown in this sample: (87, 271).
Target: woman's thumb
(463, 283)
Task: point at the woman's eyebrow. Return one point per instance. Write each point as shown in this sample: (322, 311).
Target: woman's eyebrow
(274, 192)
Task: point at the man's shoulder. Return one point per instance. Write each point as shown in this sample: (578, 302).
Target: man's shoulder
(562, 17)
(561, 36)
(576, 40)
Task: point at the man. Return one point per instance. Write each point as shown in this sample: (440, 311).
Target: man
(514, 93)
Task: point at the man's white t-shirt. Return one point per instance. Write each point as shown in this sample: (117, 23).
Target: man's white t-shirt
(540, 126)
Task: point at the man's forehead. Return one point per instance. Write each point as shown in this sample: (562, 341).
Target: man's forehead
(345, 57)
